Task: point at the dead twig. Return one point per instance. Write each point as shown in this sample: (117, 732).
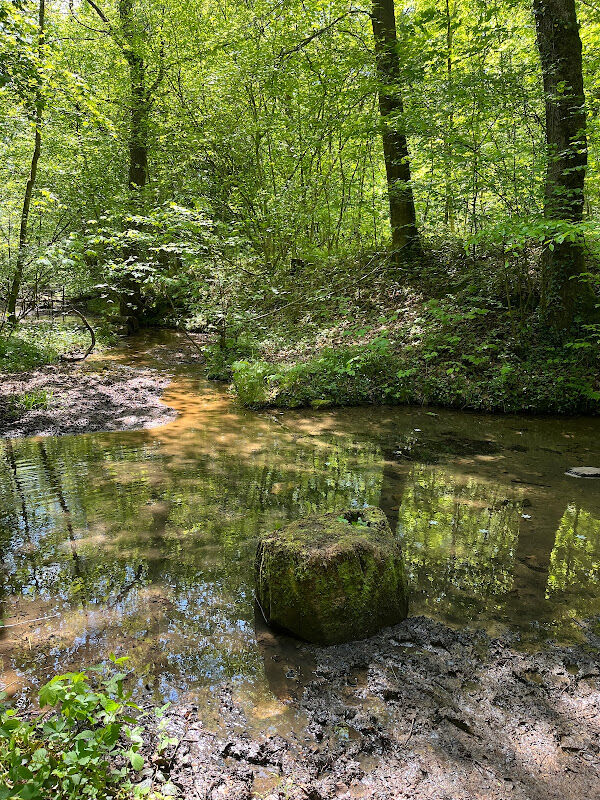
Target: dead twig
(261, 608)
(27, 621)
(410, 733)
(181, 327)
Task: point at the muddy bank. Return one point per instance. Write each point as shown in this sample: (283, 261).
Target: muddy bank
(420, 711)
(115, 391)
(85, 398)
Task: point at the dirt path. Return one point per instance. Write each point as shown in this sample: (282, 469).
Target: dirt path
(421, 712)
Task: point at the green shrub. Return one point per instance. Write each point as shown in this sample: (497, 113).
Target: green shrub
(85, 748)
(452, 374)
(221, 355)
(347, 376)
(255, 382)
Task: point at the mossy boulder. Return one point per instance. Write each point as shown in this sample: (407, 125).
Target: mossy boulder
(332, 578)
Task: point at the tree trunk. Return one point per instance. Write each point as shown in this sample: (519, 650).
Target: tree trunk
(559, 45)
(403, 218)
(449, 199)
(139, 104)
(138, 133)
(11, 307)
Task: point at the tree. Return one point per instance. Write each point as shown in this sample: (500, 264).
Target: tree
(140, 100)
(559, 45)
(129, 37)
(403, 219)
(38, 110)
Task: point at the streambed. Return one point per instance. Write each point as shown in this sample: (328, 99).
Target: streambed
(142, 542)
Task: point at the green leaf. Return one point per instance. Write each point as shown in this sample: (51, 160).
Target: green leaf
(137, 761)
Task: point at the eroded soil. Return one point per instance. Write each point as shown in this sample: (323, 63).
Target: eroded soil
(420, 711)
(101, 394)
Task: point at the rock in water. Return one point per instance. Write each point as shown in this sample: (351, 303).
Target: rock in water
(332, 578)
(584, 472)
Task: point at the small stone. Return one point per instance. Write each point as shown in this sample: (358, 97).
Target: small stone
(572, 743)
(583, 472)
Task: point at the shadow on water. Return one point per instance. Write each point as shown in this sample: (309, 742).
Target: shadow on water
(143, 542)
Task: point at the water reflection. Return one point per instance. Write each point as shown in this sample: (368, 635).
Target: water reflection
(575, 560)
(459, 541)
(133, 548)
(143, 542)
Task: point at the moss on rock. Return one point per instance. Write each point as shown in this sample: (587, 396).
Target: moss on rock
(332, 578)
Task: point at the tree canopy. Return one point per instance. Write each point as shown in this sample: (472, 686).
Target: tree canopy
(185, 145)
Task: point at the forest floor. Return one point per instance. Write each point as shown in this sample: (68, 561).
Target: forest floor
(435, 338)
(100, 394)
(93, 396)
(419, 711)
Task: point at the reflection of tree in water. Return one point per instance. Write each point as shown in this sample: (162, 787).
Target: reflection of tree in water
(575, 559)
(159, 552)
(459, 540)
(8, 522)
(136, 542)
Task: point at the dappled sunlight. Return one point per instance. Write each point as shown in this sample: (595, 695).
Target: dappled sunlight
(144, 542)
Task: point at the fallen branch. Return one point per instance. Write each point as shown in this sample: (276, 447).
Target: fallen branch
(92, 336)
(27, 621)
(181, 327)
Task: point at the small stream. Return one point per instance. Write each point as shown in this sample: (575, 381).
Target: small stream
(143, 543)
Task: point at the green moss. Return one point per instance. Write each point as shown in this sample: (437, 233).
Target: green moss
(332, 578)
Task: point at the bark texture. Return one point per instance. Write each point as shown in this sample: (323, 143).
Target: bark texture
(13, 295)
(131, 303)
(403, 218)
(559, 45)
(139, 102)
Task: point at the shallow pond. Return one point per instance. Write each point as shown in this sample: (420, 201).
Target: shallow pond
(143, 543)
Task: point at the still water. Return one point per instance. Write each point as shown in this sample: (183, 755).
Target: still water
(143, 543)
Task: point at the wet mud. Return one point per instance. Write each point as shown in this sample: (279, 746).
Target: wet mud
(420, 711)
(105, 393)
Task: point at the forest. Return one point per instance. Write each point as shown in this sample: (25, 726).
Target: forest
(299, 394)
(417, 184)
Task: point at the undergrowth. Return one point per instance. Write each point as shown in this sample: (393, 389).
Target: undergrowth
(37, 342)
(432, 339)
(85, 743)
